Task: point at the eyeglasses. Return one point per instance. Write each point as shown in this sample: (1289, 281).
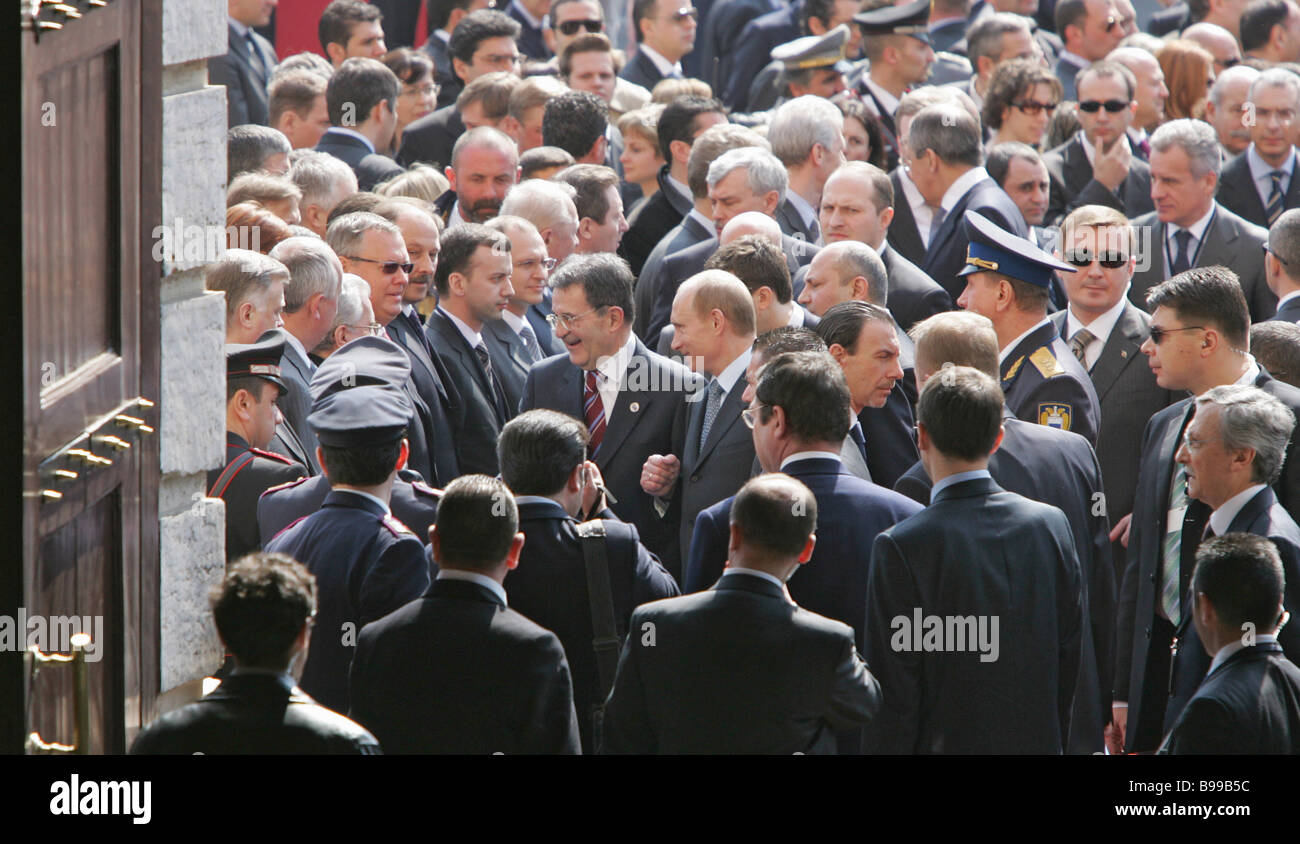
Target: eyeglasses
(1110, 260)
(1111, 106)
(1280, 259)
(683, 13)
(374, 329)
(1158, 334)
(567, 320)
(529, 266)
(572, 27)
(1111, 23)
(750, 416)
(386, 267)
(1032, 107)
(428, 89)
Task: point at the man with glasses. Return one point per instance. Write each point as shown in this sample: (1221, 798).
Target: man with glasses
(443, 20)
(1282, 265)
(1200, 329)
(665, 31)
(634, 402)
(1261, 184)
(1090, 29)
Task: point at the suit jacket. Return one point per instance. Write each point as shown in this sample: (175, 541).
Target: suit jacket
(1072, 184)
(431, 138)
(946, 253)
(366, 564)
(975, 551)
(1174, 19)
(546, 339)
(716, 39)
(509, 360)
(736, 669)
(371, 167)
(246, 96)
(903, 235)
(653, 277)
(1066, 71)
(456, 671)
(754, 51)
(650, 417)
(913, 295)
(1290, 311)
(240, 492)
(890, 432)
(1249, 704)
(286, 442)
(530, 40)
(296, 372)
(1230, 241)
(400, 22)
(413, 502)
(792, 225)
(1239, 194)
(476, 443)
(550, 588)
(651, 220)
(1043, 382)
(254, 714)
(445, 410)
(640, 70)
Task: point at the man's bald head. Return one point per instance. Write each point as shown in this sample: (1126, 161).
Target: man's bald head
(718, 290)
(750, 222)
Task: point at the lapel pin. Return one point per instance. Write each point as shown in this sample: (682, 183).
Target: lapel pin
(1123, 353)
(634, 406)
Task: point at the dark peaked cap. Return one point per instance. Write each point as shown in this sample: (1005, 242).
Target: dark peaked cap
(358, 397)
(260, 359)
(814, 51)
(995, 249)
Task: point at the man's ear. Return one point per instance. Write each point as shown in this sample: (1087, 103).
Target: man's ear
(998, 442)
(860, 288)
(886, 217)
(244, 313)
(771, 201)
(585, 226)
(337, 53)
(516, 546)
(681, 151)
(403, 455)
(837, 351)
(806, 554)
(734, 538)
(451, 178)
(459, 68)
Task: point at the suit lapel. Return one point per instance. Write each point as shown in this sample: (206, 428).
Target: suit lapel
(728, 414)
(239, 46)
(467, 356)
(1219, 239)
(1252, 510)
(1121, 349)
(1077, 170)
(625, 417)
(571, 392)
(1169, 445)
(406, 336)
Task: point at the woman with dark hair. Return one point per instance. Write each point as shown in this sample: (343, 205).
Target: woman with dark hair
(1189, 73)
(419, 95)
(862, 138)
(1021, 99)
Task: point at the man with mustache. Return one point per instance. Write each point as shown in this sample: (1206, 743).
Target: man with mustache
(484, 166)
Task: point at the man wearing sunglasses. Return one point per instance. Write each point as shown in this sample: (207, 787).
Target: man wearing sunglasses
(665, 31)
(1090, 29)
(1099, 166)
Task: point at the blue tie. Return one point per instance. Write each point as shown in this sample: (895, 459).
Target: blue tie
(856, 433)
(1183, 259)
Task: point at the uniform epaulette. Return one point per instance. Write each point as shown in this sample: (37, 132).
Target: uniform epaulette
(1046, 363)
(271, 455)
(287, 484)
(424, 489)
(1015, 367)
(396, 526)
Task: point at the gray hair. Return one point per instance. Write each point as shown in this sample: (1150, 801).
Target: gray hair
(242, 274)
(1196, 138)
(322, 178)
(249, 145)
(954, 136)
(985, 37)
(313, 267)
(541, 202)
(1236, 73)
(853, 258)
(485, 137)
(799, 125)
(1251, 418)
(345, 233)
(1284, 241)
(1276, 77)
(764, 171)
(354, 292)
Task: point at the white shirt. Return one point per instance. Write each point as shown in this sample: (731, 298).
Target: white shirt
(474, 338)
(343, 130)
(302, 350)
(239, 27)
(1091, 151)
(958, 189)
(381, 502)
(1193, 246)
(1070, 58)
(474, 577)
(610, 372)
(797, 313)
(1101, 328)
(454, 219)
(664, 66)
(1006, 350)
(1260, 170)
(516, 323)
(887, 100)
(733, 372)
(443, 35)
(809, 455)
(957, 478)
(1232, 647)
(682, 189)
(1248, 377)
(921, 212)
(806, 212)
(1222, 518)
(1287, 298)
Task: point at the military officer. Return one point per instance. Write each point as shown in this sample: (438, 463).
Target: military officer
(366, 562)
(1008, 280)
(414, 503)
(814, 64)
(252, 385)
(896, 42)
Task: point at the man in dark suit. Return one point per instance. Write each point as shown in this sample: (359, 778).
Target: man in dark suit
(1188, 228)
(362, 102)
(1199, 330)
(544, 462)
(246, 69)
(366, 563)
(717, 40)
(741, 668)
(1249, 701)
(530, 14)
(954, 182)
(806, 135)
(1260, 184)
(714, 320)
(512, 343)
(633, 401)
(665, 31)
(473, 282)
(1175, 19)
(1282, 265)
(456, 671)
(753, 50)
(1089, 29)
(1097, 166)
(975, 558)
(263, 614)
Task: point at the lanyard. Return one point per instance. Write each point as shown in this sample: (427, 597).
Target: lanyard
(1200, 244)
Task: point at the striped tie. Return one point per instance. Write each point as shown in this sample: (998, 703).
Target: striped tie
(593, 410)
(1276, 204)
(1170, 585)
(1079, 343)
(530, 344)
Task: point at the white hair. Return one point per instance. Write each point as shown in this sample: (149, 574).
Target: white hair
(765, 172)
(1196, 137)
(802, 123)
(541, 202)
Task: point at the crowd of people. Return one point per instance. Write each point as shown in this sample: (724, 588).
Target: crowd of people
(828, 376)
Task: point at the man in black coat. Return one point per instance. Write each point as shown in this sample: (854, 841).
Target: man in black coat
(263, 615)
(665, 33)
(753, 50)
(456, 671)
(246, 69)
(1260, 184)
(1249, 702)
(362, 102)
(995, 572)
(740, 668)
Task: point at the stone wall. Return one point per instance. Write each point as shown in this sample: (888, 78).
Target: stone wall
(192, 406)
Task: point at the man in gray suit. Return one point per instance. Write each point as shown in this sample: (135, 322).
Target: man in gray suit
(1189, 228)
(311, 299)
(246, 69)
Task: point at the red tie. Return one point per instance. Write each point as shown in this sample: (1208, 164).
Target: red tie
(593, 410)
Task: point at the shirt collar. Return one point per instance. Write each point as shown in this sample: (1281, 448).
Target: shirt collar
(681, 188)
(1261, 169)
(1101, 326)
(515, 322)
(343, 130)
(443, 35)
(1222, 518)
(729, 570)
(797, 315)
(733, 371)
(1236, 645)
(474, 338)
(1010, 347)
(1248, 377)
(381, 502)
(801, 206)
(809, 455)
(956, 479)
(887, 100)
(301, 349)
(1071, 58)
(703, 220)
(239, 28)
(536, 499)
(1287, 298)
(1197, 229)
(665, 67)
(612, 367)
(474, 577)
(958, 189)
(454, 219)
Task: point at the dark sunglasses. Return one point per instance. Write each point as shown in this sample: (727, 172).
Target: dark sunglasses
(684, 13)
(1112, 106)
(1084, 258)
(572, 27)
(1031, 107)
(387, 267)
(1227, 63)
(1158, 334)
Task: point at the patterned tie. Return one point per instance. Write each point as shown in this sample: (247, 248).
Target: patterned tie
(1079, 343)
(499, 398)
(1183, 259)
(255, 56)
(710, 410)
(1276, 204)
(593, 410)
(1170, 584)
(530, 344)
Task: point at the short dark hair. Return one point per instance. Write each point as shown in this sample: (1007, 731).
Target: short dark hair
(360, 201)
(538, 451)
(458, 247)
(253, 385)
(822, 10)
(361, 465)
(248, 146)
(810, 388)
(641, 10)
(261, 606)
(757, 262)
(1258, 20)
(574, 121)
(787, 338)
(408, 65)
(339, 17)
(606, 280)
(1242, 576)
(362, 83)
(1013, 80)
(1198, 9)
(842, 323)
(294, 90)
(477, 27)
(1000, 156)
(961, 409)
(537, 159)
(1069, 13)
(775, 513)
(677, 123)
(591, 183)
(1276, 346)
(1206, 296)
(477, 521)
(440, 11)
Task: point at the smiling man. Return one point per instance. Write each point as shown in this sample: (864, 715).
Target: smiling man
(351, 29)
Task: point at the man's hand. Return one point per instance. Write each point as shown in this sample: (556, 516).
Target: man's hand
(1114, 733)
(659, 474)
(593, 489)
(1121, 530)
(1110, 166)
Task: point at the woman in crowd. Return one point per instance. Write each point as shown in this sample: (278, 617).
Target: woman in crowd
(1022, 97)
